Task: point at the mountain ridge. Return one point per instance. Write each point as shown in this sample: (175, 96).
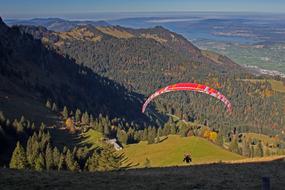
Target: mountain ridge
(58, 78)
(55, 24)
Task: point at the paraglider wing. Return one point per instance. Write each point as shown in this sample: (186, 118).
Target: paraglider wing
(189, 87)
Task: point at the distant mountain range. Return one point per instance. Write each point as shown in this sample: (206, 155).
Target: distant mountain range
(55, 24)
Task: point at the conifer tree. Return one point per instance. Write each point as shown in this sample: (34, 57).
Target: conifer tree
(20, 128)
(267, 151)
(77, 115)
(167, 129)
(49, 157)
(8, 122)
(65, 113)
(144, 136)
(173, 129)
(2, 117)
(234, 145)
(220, 139)
(71, 164)
(56, 157)
(122, 136)
(85, 118)
(109, 159)
(19, 159)
(42, 127)
(48, 104)
(54, 107)
(252, 151)
(22, 120)
(61, 163)
(64, 151)
(92, 164)
(147, 163)
(159, 131)
(107, 130)
(151, 135)
(245, 148)
(29, 153)
(91, 119)
(33, 127)
(40, 163)
(259, 150)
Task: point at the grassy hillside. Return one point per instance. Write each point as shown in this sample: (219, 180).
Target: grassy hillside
(170, 152)
(213, 176)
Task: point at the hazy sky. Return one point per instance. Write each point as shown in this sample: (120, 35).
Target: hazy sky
(53, 8)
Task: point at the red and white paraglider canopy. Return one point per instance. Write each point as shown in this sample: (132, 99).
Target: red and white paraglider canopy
(189, 87)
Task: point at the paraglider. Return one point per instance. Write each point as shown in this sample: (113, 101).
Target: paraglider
(189, 87)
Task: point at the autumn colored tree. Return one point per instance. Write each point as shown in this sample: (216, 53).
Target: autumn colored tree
(70, 125)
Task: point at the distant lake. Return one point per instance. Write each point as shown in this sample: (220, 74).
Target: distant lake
(212, 27)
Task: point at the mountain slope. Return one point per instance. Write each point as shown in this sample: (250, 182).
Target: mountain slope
(128, 55)
(31, 71)
(144, 60)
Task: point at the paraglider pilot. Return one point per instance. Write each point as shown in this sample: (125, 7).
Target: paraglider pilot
(187, 158)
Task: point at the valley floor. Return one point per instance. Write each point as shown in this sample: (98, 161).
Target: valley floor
(213, 176)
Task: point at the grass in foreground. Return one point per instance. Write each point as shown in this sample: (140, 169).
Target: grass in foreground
(170, 152)
(212, 176)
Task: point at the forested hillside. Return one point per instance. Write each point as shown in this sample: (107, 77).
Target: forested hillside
(31, 74)
(146, 59)
(36, 72)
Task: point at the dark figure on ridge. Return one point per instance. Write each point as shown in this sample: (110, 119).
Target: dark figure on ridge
(187, 158)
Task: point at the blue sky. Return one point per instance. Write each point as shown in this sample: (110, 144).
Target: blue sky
(61, 8)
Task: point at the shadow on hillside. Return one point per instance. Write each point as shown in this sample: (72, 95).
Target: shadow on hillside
(211, 176)
(59, 78)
